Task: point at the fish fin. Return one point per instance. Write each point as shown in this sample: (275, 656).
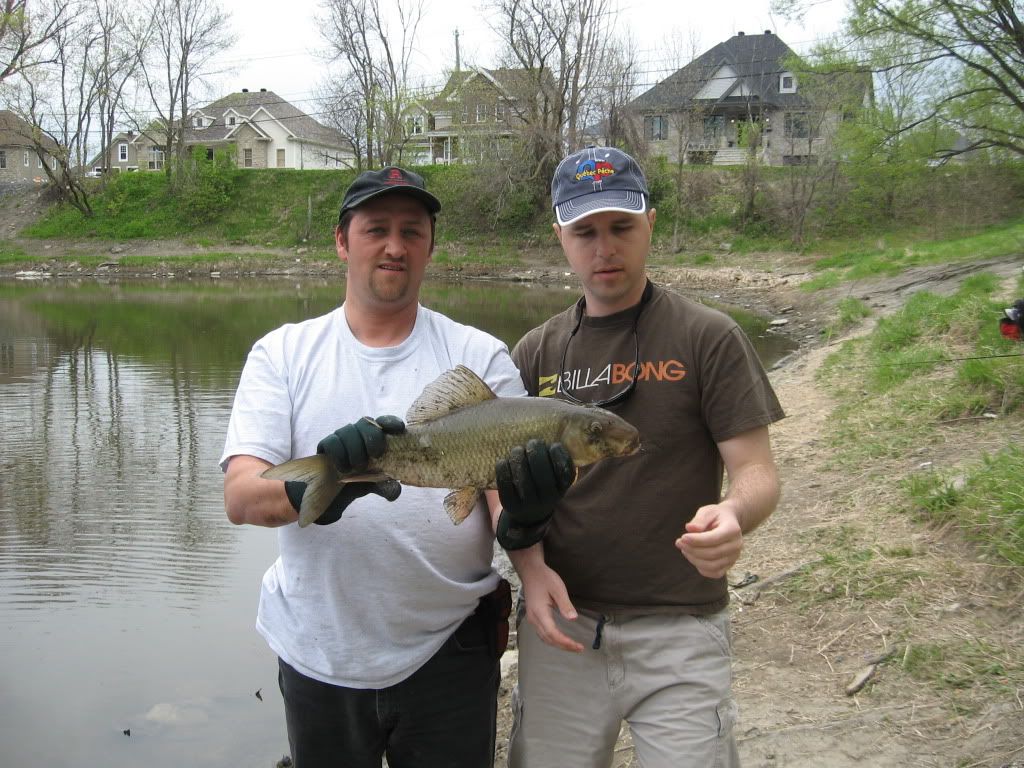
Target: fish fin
(450, 391)
(322, 482)
(459, 503)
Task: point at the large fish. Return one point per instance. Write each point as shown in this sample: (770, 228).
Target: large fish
(455, 433)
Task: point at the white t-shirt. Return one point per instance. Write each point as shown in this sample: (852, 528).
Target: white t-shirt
(366, 601)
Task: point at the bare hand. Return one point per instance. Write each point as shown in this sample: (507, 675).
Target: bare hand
(545, 593)
(713, 540)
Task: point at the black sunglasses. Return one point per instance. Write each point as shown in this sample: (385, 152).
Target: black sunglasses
(619, 397)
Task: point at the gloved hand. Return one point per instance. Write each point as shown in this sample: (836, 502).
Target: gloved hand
(530, 483)
(389, 489)
(352, 446)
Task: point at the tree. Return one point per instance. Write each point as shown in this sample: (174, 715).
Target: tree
(343, 110)
(25, 37)
(122, 38)
(562, 45)
(612, 95)
(376, 66)
(55, 96)
(186, 34)
(977, 44)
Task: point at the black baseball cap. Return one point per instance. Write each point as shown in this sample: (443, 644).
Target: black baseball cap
(372, 184)
(597, 179)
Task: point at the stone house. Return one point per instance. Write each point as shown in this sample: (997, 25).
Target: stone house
(478, 113)
(264, 130)
(742, 96)
(20, 162)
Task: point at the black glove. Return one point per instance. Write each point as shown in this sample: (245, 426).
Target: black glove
(388, 489)
(352, 446)
(530, 483)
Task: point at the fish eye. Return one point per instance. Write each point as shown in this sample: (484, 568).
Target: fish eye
(594, 429)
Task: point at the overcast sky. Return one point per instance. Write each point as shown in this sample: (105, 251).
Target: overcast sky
(278, 41)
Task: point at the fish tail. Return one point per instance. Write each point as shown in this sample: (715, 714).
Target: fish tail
(322, 481)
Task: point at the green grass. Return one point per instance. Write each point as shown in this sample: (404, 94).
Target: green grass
(938, 361)
(272, 207)
(903, 249)
(963, 665)
(849, 312)
(12, 255)
(480, 255)
(986, 500)
(847, 570)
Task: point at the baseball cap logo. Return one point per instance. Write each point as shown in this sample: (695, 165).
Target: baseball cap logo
(595, 171)
(395, 176)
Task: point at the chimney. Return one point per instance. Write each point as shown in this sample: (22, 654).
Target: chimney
(740, 34)
(767, 31)
(263, 90)
(245, 90)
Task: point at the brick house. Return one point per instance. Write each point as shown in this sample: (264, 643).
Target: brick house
(742, 96)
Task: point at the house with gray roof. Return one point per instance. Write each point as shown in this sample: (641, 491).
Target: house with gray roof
(264, 130)
(741, 97)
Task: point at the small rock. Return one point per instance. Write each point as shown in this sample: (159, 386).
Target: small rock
(781, 321)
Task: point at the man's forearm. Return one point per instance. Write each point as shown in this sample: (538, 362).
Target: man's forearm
(753, 494)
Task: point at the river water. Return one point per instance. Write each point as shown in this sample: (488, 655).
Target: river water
(127, 601)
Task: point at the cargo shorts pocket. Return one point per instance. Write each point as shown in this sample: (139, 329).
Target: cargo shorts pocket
(728, 721)
(717, 627)
(728, 717)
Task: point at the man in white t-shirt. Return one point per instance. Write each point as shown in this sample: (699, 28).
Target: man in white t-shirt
(375, 618)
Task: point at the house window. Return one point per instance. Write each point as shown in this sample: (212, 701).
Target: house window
(198, 122)
(481, 112)
(3, 159)
(247, 157)
(280, 158)
(53, 163)
(156, 159)
(24, 159)
(465, 113)
(714, 126)
(787, 83)
(499, 112)
(231, 120)
(655, 128)
(797, 125)
(122, 153)
(416, 125)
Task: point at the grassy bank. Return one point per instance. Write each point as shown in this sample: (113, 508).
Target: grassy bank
(939, 364)
(701, 214)
(925, 438)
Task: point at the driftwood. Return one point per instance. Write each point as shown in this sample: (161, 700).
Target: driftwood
(861, 679)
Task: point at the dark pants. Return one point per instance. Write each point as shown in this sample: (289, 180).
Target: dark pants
(443, 715)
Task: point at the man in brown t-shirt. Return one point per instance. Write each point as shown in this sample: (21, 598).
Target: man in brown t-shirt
(625, 595)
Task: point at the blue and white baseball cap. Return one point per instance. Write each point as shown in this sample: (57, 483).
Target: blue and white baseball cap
(597, 179)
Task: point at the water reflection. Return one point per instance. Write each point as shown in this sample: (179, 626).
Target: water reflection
(126, 599)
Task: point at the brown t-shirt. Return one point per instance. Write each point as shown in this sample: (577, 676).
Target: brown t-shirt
(612, 539)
